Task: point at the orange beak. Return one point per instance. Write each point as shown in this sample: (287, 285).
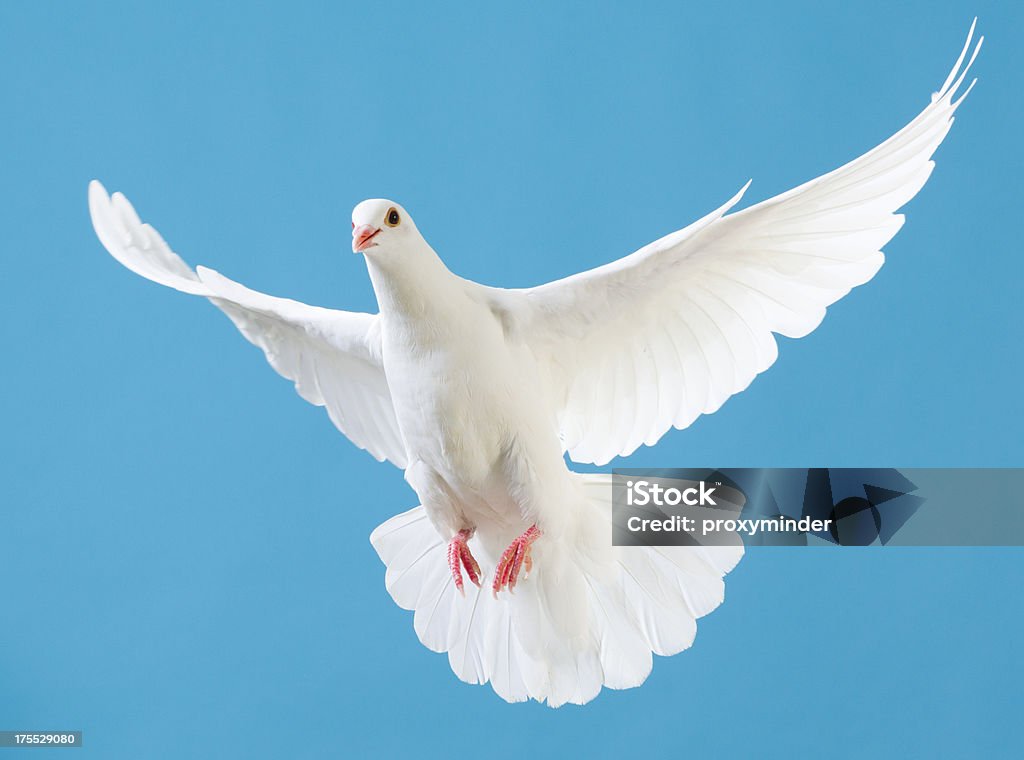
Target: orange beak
(362, 237)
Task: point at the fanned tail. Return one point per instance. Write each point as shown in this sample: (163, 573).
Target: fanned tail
(590, 615)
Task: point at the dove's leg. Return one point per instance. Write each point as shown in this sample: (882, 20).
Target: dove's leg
(447, 517)
(459, 556)
(515, 558)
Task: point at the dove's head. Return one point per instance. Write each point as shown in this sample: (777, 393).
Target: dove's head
(381, 225)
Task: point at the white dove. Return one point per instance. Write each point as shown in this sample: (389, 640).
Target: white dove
(477, 393)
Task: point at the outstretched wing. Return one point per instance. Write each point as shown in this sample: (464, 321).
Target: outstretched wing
(670, 332)
(333, 357)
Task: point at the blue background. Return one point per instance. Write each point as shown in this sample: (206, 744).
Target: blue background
(184, 561)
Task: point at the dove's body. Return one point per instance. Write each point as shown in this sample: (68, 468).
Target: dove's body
(458, 433)
(478, 443)
(477, 392)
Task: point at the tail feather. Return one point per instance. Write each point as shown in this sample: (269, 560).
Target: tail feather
(591, 615)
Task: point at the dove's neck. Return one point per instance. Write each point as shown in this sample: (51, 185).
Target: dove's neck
(412, 282)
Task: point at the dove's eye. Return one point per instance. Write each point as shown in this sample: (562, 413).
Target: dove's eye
(392, 219)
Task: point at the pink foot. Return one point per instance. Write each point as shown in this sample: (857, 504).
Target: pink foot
(459, 557)
(514, 558)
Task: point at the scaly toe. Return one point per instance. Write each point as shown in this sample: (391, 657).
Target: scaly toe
(459, 557)
(513, 560)
(471, 565)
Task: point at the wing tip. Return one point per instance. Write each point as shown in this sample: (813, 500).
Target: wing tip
(104, 220)
(956, 76)
(98, 199)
